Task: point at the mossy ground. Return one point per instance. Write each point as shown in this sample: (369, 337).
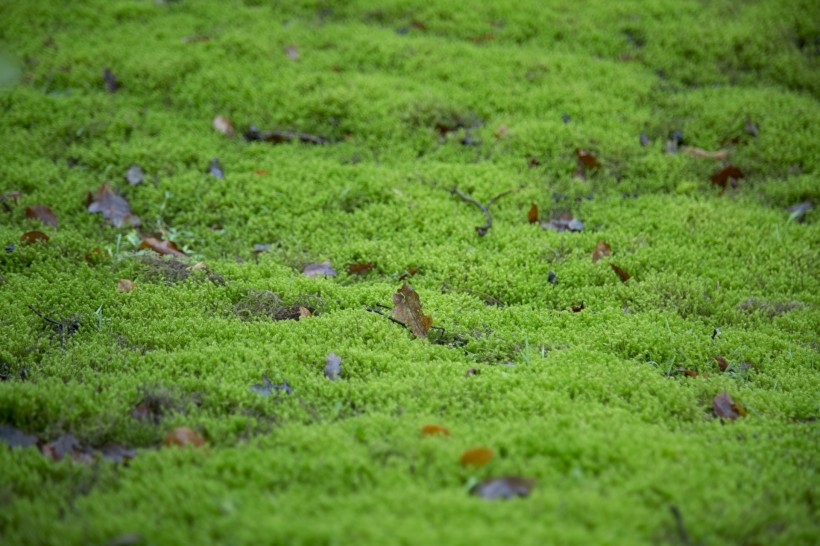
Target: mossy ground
(592, 408)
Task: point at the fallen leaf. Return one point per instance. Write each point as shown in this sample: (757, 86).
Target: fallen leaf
(125, 285)
(292, 51)
(533, 162)
(67, 444)
(111, 83)
(578, 308)
(42, 213)
(183, 436)
(409, 272)
(117, 453)
(434, 430)
(333, 367)
(532, 215)
(31, 237)
(95, 255)
(134, 175)
(565, 118)
(700, 152)
(728, 175)
(723, 364)
(644, 139)
(215, 168)
(408, 311)
(360, 268)
(552, 278)
(476, 457)
(316, 269)
(563, 221)
(162, 247)
(504, 487)
(725, 407)
(266, 387)
(798, 212)
(587, 159)
(114, 208)
(621, 273)
(304, 312)
(278, 137)
(224, 126)
(601, 249)
(687, 372)
(199, 266)
(14, 437)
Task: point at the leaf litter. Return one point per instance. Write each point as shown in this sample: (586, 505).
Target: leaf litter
(408, 311)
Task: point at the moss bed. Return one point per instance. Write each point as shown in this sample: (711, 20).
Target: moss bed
(606, 394)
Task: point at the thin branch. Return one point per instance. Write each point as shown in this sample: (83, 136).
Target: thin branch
(481, 230)
(45, 318)
(388, 317)
(684, 536)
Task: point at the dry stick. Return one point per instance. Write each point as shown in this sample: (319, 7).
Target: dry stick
(684, 536)
(482, 230)
(382, 313)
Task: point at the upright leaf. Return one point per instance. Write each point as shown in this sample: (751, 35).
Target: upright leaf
(408, 311)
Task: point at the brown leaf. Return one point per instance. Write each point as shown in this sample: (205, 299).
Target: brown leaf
(502, 130)
(725, 407)
(224, 126)
(408, 311)
(333, 367)
(304, 312)
(162, 247)
(723, 364)
(125, 285)
(471, 372)
(504, 487)
(183, 436)
(360, 268)
(621, 273)
(587, 159)
(95, 255)
(728, 175)
(533, 162)
(316, 269)
(42, 213)
(476, 457)
(578, 308)
(434, 430)
(409, 272)
(117, 453)
(111, 83)
(31, 237)
(114, 208)
(532, 215)
(601, 249)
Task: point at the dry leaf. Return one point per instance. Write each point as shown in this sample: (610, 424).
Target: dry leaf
(162, 247)
(504, 487)
(134, 175)
(727, 176)
(216, 169)
(125, 285)
(333, 367)
(621, 273)
(304, 312)
(199, 266)
(361, 268)
(563, 221)
(42, 213)
(723, 364)
(587, 159)
(532, 215)
(31, 237)
(183, 436)
(476, 457)
(408, 311)
(114, 208)
(224, 126)
(292, 51)
(601, 249)
(316, 269)
(434, 430)
(471, 372)
(725, 407)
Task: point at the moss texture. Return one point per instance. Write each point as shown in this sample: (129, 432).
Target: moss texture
(593, 404)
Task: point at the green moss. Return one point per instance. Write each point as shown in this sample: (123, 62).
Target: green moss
(598, 405)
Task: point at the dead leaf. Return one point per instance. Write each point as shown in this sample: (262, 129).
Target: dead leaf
(134, 175)
(533, 162)
(316, 269)
(408, 311)
(476, 457)
(723, 364)
(725, 407)
(471, 372)
(601, 249)
(111, 83)
(162, 247)
(504, 487)
(700, 152)
(304, 312)
(125, 285)
(42, 213)
(14, 437)
(67, 444)
(224, 126)
(266, 387)
(552, 277)
(114, 208)
(798, 212)
(278, 137)
(587, 158)
(199, 266)
(563, 221)
(117, 453)
(409, 272)
(532, 215)
(333, 367)
(729, 175)
(95, 255)
(578, 308)
(183, 436)
(687, 372)
(360, 268)
(292, 51)
(644, 139)
(621, 273)
(434, 430)
(215, 168)
(31, 237)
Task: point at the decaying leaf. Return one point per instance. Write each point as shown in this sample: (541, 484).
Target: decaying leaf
(134, 175)
(266, 387)
(360, 268)
(224, 126)
(700, 152)
(333, 367)
(502, 130)
(278, 137)
(292, 51)
(161, 247)
(14, 437)
(316, 269)
(408, 311)
(563, 221)
(587, 158)
(601, 249)
(727, 408)
(42, 213)
(110, 81)
(216, 169)
(532, 215)
(183, 436)
(471, 372)
(125, 285)
(729, 175)
(409, 272)
(31, 237)
(621, 273)
(67, 444)
(505, 487)
(722, 363)
(117, 453)
(476, 457)
(114, 208)
(434, 430)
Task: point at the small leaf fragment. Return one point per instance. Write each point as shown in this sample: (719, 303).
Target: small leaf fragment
(224, 126)
(476, 457)
(601, 249)
(316, 269)
(125, 285)
(67, 444)
(292, 51)
(31, 237)
(360, 268)
(14, 437)
(114, 208)
(42, 213)
(723, 364)
(134, 175)
(587, 158)
(161, 247)
(183, 436)
(408, 311)
(725, 407)
(532, 215)
(333, 367)
(504, 487)
(216, 169)
(621, 273)
(434, 430)
(110, 81)
(563, 221)
(729, 175)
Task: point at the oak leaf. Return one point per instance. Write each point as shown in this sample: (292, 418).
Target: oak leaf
(434, 430)
(408, 311)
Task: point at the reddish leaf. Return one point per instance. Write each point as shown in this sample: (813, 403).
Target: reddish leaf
(587, 159)
(114, 208)
(183, 436)
(224, 126)
(502, 130)
(95, 255)
(111, 83)
(533, 162)
(316, 269)
(13, 437)
(42, 213)
(476, 457)
(408, 311)
(434, 430)
(578, 308)
(162, 247)
(125, 285)
(504, 487)
(601, 249)
(532, 215)
(723, 364)
(621, 273)
(333, 367)
(361, 268)
(728, 175)
(687, 372)
(31, 237)
(725, 407)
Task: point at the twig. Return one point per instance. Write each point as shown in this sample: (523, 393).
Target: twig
(45, 318)
(684, 536)
(481, 230)
(388, 317)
